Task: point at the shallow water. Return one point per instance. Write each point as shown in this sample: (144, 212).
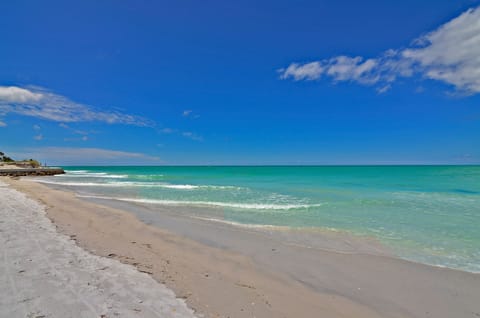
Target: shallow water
(429, 214)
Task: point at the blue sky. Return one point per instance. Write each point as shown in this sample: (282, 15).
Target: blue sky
(245, 82)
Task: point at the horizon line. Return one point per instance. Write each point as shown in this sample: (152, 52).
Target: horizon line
(275, 165)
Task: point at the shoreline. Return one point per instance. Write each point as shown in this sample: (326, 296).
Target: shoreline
(326, 239)
(225, 280)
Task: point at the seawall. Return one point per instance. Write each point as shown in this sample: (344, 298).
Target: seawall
(21, 172)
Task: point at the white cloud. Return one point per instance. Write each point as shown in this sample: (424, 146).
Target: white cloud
(2, 124)
(450, 54)
(307, 71)
(87, 156)
(38, 137)
(12, 94)
(43, 104)
(344, 68)
(36, 127)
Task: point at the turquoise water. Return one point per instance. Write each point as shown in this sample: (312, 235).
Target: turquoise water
(429, 214)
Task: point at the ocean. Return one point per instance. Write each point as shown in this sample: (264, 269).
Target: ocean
(426, 214)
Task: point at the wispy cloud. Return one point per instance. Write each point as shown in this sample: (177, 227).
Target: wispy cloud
(83, 138)
(75, 131)
(192, 136)
(450, 54)
(43, 104)
(189, 113)
(72, 156)
(466, 158)
(39, 136)
(186, 134)
(167, 130)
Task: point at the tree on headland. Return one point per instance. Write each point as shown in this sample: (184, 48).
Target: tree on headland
(34, 163)
(5, 158)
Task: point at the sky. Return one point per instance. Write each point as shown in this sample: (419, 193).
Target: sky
(191, 82)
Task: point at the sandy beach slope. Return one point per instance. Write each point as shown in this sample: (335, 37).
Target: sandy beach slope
(45, 274)
(224, 271)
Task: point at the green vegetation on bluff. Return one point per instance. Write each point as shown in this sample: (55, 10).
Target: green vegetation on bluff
(4, 158)
(27, 163)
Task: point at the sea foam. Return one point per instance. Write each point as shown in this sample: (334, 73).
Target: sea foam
(134, 184)
(247, 206)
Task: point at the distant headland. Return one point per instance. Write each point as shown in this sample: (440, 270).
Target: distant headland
(28, 167)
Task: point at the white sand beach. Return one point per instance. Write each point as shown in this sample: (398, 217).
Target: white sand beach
(219, 270)
(45, 274)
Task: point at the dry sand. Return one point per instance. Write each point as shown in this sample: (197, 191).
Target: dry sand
(248, 278)
(6, 166)
(45, 274)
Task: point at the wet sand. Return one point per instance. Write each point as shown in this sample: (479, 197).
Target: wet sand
(226, 271)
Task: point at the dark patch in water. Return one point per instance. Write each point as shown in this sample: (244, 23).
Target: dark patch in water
(465, 191)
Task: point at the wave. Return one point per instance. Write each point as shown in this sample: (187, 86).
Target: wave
(179, 186)
(136, 184)
(148, 176)
(91, 175)
(190, 186)
(247, 206)
(87, 174)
